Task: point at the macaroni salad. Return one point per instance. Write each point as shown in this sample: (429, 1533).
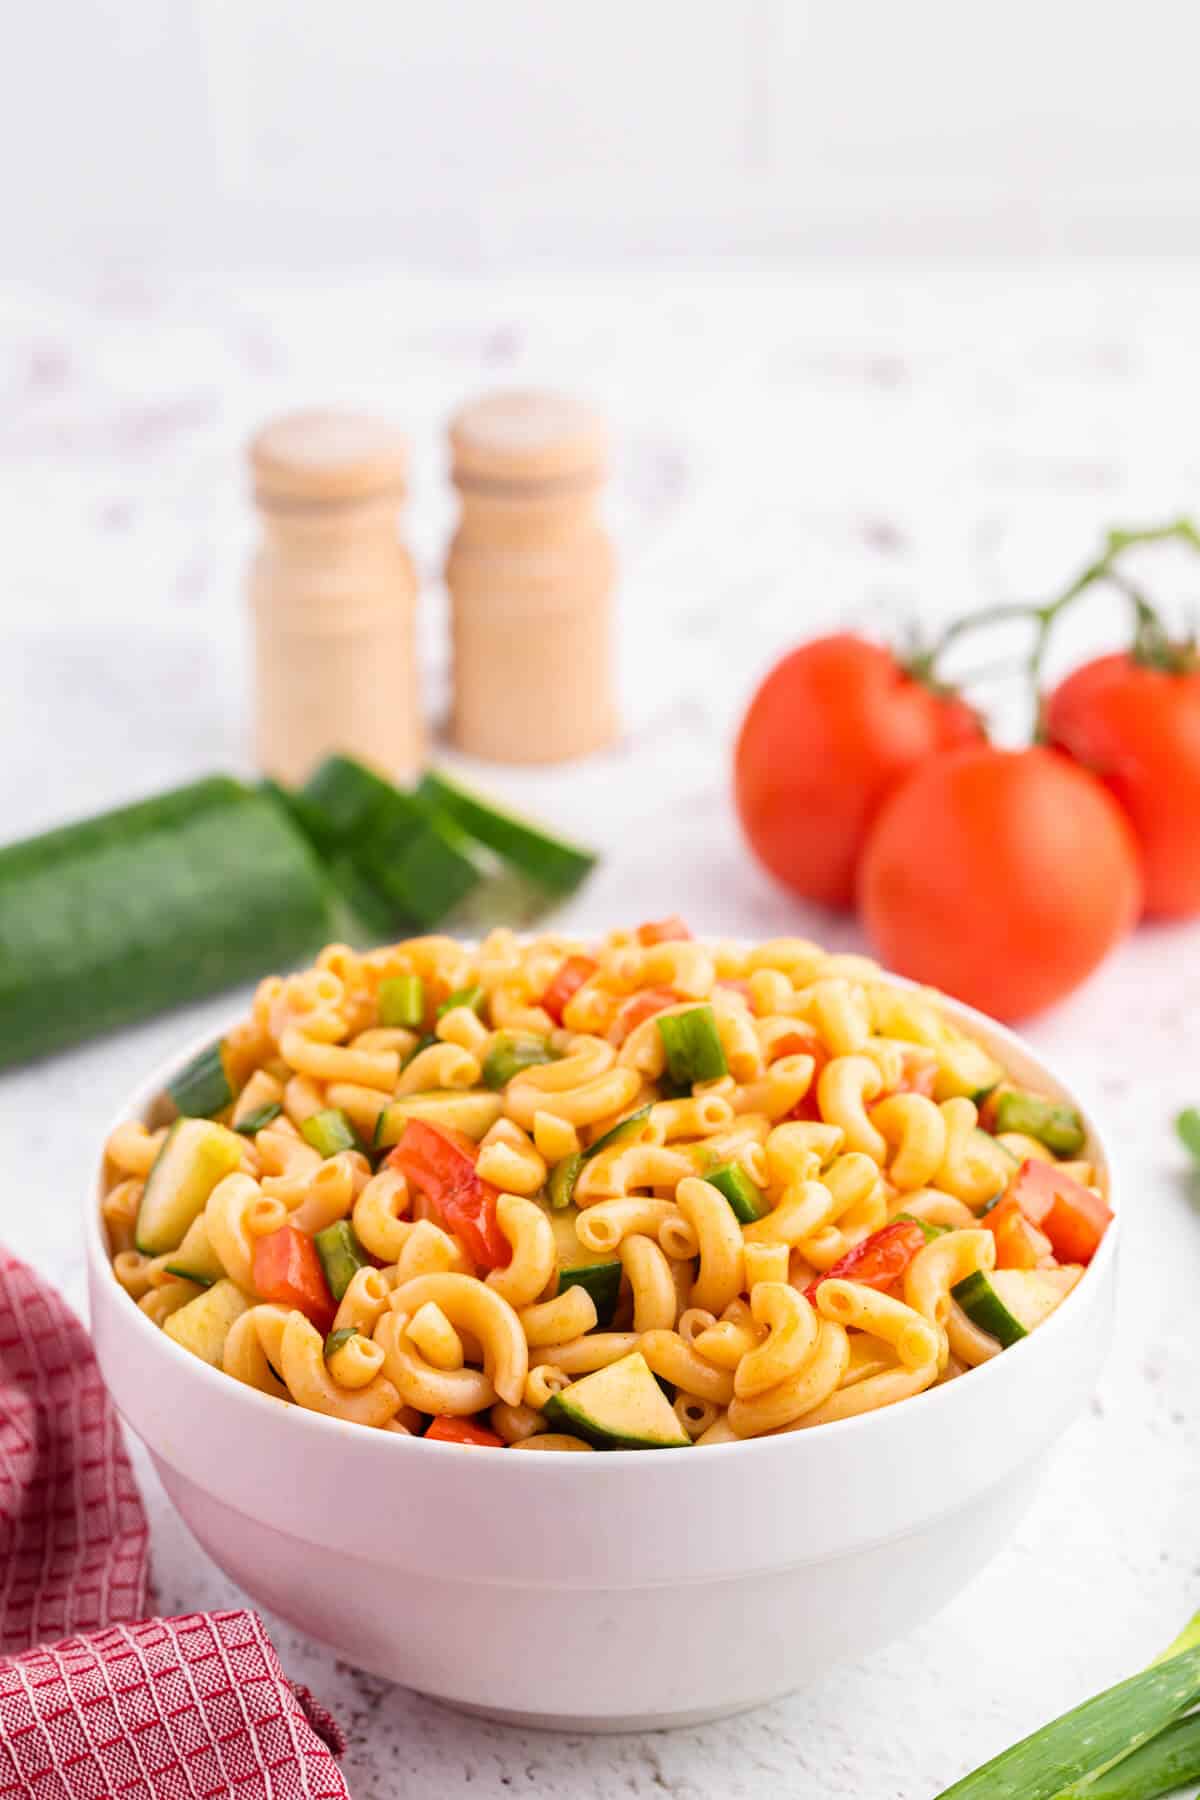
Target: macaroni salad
(646, 1193)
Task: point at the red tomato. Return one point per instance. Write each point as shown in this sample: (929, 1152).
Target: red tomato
(1138, 729)
(638, 1008)
(444, 1430)
(287, 1271)
(569, 977)
(1019, 1243)
(1002, 876)
(1071, 1216)
(832, 730)
(663, 931)
(441, 1163)
(879, 1260)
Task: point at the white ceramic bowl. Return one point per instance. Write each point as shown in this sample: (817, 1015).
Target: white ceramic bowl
(615, 1592)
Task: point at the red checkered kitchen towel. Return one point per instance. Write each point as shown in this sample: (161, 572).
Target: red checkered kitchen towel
(98, 1702)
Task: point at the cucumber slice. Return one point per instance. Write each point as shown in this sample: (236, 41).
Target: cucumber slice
(254, 1121)
(553, 862)
(119, 917)
(747, 1201)
(595, 1270)
(341, 1254)
(693, 1046)
(1031, 1295)
(329, 1132)
(402, 1002)
(511, 1051)
(964, 1067)
(1051, 1122)
(563, 1176)
(204, 1323)
(341, 800)
(474, 997)
(195, 1259)
(618, 1408)
(470, 1113)
(985, 1308)
(195, 1156)
(419, 864)
(204, 1087)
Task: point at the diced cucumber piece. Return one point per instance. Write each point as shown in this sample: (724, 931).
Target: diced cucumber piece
(470, 1113)
(563, 1176)
(195, 1259)
(596, 1270)
(985, 1308)
(626, 1131)
(551, 861)
(964, 1067)
(929, 1230)
(747, 1201)
(1052, 1122)
(329, 1131)
(473, 996)
(621, 1407)
(402, 1002)
(254, 1121)
(195, 1156)
(341, 1254)
(693, 1046)
(204, 1323)
(1031, 1295)
(511, 1051)
(203, 1088)
(336, 1339)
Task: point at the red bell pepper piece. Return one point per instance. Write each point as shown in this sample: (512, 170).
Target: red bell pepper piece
(569, 978)
(640, 1007)
(441, 1163)
(288, 1272)
(1019, 1243)
(444, 1430)
(663, 931)
(1072, 1217)
(879, 1260)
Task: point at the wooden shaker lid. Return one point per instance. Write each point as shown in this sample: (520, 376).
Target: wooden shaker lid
(528, 437)
(310, 457)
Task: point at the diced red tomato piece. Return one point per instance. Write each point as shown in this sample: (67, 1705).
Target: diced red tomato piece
(1019, 1243)
(738, 987)
(445, 1430)
(568, 979)
(663, 931)
(1072, 1217)
(441, 1163)
(804, 1042)
(638, 1008)
(879, 1260)
(287, 1272)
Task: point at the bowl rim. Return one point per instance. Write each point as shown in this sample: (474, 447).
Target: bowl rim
(944, 1394)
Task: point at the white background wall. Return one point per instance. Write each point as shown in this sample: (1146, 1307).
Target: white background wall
(495, 133)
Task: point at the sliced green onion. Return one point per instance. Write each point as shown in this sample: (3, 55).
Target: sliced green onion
(336, 1339)
(402, 1002)
(563, 1176)
(1088, 1740)
(1167, 1763)
(474, 997)
(747, 1201)
(423, 1043)
(626, 1131)
(262, 1115)
(341, 1254)
(511, 1051)
(928, 1228)
(329, 1132)
(1188, 1127)
(203, 1087)
(693, 1046)
(1051, 1122)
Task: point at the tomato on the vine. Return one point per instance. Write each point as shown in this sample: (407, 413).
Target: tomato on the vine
(1001, 876)
(1137, 727)
(833, 729)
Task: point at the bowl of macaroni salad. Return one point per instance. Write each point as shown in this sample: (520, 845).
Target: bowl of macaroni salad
(778, 1274)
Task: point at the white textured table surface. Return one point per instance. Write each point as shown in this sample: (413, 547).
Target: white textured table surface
(794, 452)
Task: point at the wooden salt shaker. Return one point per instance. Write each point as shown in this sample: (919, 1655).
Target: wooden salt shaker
(333, 594)
(530, 574)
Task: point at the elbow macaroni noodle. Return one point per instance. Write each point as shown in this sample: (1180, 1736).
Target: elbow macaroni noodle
(844, 1103)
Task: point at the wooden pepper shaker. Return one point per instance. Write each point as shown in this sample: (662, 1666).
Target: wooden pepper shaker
(530, 574)
(333, 594)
